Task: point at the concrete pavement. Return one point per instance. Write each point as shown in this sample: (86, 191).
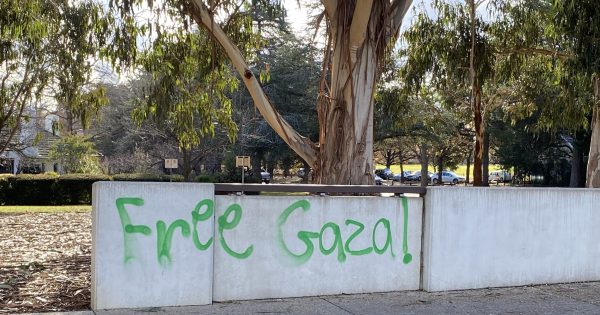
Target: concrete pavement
(573, 298)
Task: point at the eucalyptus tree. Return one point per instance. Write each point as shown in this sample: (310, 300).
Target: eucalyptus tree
(43, 45)
(187, 94)
(24, 29)
(537, 58)
(358, 35)
(81, 35)
(454, 52)
(578, 21)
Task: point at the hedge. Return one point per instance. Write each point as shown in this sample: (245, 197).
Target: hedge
(51, 189)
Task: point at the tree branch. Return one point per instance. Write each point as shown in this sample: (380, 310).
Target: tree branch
(301, 145)
(398, 9)
(358, 28)
(330, 7)
(537, 51)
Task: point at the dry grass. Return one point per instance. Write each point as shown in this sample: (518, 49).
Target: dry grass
(44, 209)
(45, 261)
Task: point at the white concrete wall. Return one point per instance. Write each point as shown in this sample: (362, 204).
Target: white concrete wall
(492, 237)
(267, 270)
(128, 269)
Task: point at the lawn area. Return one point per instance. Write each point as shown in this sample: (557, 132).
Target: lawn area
(45, 209)
(461, 170)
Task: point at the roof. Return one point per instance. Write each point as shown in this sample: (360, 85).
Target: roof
(43, 145)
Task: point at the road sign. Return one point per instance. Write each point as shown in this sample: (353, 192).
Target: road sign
(241, 161)
(170, 163)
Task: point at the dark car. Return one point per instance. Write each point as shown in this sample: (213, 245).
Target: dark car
(416, 177)
(384, 173)
(397, 177)
(265, 176)
(378, 180)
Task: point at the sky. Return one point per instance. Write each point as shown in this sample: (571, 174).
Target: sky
(298, 16)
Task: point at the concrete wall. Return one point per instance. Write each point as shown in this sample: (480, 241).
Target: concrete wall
(290, 246)
(154, 245)
(492, 237)
(145, 253)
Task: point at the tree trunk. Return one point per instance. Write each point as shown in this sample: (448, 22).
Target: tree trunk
(69, 122)
(479, 135)
(576, 163)
(593, 166)
(187, 164)
(440, 170)
(424, 165)
(256, 163)
(468, 175)
(486, 159)
(476, 101)
(389, 159)
(271, 167)
(346, 117)
(401, 172)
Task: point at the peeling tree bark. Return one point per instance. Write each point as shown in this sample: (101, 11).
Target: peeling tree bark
(593, 166)
(346, 147)
(346, 116)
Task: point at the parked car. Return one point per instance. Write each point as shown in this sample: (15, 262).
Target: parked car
(265, 177)
(301, 172)
(378, 180)
(397, 177)
(416, 176)
(384, 173)
(448, 178)
(500, 176)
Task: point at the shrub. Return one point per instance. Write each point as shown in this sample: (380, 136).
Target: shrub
(26, 189)
(4, 187)
(205, 178)
(71, 189)
(76, 188)
(138, 177)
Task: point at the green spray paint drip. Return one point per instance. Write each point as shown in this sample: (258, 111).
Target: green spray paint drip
(128, 228)
(407, 256)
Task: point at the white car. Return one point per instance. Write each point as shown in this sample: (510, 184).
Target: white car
(447, 178)
(500, 177)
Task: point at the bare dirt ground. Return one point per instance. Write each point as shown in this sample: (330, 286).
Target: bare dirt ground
(45, 262)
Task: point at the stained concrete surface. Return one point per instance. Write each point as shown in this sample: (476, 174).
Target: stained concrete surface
(573, 298)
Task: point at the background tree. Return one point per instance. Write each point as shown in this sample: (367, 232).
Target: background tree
(534, 62)
(187, 95)
(47, 45)
(454, 52)
(574, 21)
(24, 29)
(76, 154)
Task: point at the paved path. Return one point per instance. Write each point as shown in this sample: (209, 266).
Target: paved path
(578, 298)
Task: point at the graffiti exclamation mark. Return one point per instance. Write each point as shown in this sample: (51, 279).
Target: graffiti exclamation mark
(407, 256)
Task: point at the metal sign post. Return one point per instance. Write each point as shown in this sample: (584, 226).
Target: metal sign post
(170, 164)
(243, 162)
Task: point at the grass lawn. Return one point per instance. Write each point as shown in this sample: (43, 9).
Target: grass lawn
(461, 170)
(47, 209)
